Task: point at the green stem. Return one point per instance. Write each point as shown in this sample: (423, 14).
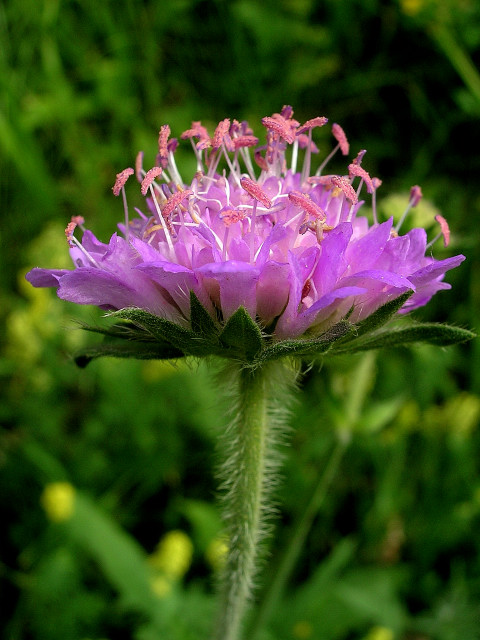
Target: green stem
(246, 477)
(296, 540)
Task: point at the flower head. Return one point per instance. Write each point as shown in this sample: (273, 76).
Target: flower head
(290, 248)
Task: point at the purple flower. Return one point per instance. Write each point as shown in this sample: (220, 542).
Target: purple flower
(290, 247)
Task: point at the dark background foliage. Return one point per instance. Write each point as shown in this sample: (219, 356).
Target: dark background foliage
(394, 548)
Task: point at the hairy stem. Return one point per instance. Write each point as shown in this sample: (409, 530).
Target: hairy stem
(247, 474)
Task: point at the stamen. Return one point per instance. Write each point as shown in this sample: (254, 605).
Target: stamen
(286, 112)
(245, 141)
(445, 230)
(376, 182)
(149, 178)
(359, 158)
(163, 136)
(231, 216)
(221, 132)
(341, 138)
(319, 121)
(174, 200)
(280, 127)
(344, 185)
(415, 195)
(122, 177)
(259, 159)
(254, 190)
(304, 201)
(139, 172)
(358, 171)
(73, 242)
(160, 216)
(304, 141)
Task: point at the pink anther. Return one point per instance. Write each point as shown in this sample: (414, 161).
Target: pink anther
(74, 222)
(444, 228)
(304, 141)
(344, 185)
(172, 145)
(254, 190)
(304, 201)
(415, 195)
(320, 121)
(221, 132)
(358, 171)
(279, 126)
(174, 200)
(163, 136)
(139, 166)
(341, 138)
(149, 178)
(259, 159)
(231, 216)
(376, 182)
(245, 141)
(325, 181)
(122, 177)
(359, 158)
(197, 130)
(286, 112)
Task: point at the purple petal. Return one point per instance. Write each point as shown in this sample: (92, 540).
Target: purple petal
(362, 253)
(272, 291)
(178, 281)
(237, 282)
(107, 290)
(45, 277)
(331, 263)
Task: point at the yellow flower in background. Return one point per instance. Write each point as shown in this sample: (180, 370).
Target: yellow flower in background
(302, 630)
(411, 7)
(173, 555)
(58, 501)
(380, 633)
(216, 553)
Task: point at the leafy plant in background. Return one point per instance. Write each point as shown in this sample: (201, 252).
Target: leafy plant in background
(260, 272)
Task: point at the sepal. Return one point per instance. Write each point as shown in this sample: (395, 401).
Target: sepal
(441, 335)
(241, 336)
(306, 348)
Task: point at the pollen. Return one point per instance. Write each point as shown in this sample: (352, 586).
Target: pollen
(344, 185)
(304, 201)
(279, 126)
(320, 121)
(355, 170)
(254, 190)
(122, 178)
(444, 228)
(341, 138)
(149, 178)
(174, 200)
(163, 136)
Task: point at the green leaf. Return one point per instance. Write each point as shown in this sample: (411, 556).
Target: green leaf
(379, 317)
(124, 348)
(431, 333)
(242, 335)
(306, 347)
(165, 331)
(201, 321)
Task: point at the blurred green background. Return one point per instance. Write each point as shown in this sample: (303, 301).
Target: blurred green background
(392, 547)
